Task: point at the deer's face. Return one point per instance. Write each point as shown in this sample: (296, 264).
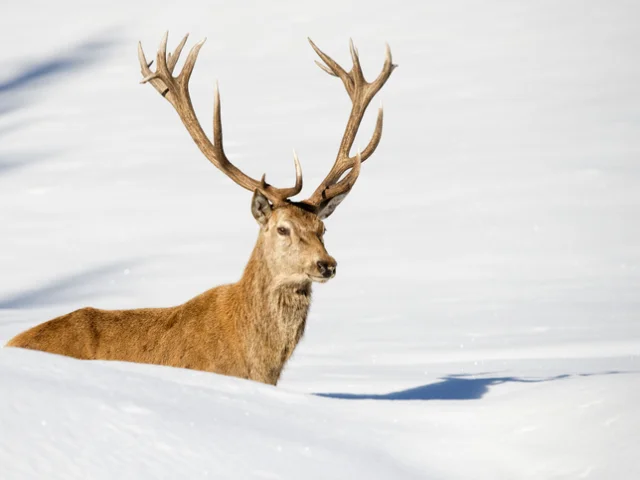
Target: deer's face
(293, 242)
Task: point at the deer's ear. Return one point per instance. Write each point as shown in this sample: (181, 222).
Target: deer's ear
(327, 207)
(260, 207)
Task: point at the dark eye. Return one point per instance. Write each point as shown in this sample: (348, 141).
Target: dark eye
(283, 231)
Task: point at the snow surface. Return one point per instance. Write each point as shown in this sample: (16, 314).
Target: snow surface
(484, 323)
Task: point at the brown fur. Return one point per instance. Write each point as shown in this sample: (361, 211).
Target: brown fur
(248, 329)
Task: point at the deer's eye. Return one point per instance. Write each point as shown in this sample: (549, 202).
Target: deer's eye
(283, 231)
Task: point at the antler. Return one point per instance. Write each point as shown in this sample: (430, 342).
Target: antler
(333, 190)
(176, 91)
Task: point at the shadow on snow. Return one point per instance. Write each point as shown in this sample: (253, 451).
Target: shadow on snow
(33, 78)
(72, 288)
(452, 387)
(38, 73)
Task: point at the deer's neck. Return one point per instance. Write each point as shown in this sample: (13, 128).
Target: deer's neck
(276, 315)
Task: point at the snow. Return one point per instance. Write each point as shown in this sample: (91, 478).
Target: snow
(484, 320)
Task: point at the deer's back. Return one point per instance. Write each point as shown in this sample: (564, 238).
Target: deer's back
(199, 334)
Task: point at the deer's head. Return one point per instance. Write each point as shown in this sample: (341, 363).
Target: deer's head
(293, 239)
(292, 232)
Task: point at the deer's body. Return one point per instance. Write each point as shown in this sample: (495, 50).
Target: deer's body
(248, 329)
(231, 329)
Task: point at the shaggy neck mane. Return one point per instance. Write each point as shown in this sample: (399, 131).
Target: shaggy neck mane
(276, 313)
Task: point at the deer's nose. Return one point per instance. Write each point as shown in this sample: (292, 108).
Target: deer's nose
(327, 268)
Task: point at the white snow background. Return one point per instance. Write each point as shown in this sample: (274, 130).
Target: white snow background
(484, 322)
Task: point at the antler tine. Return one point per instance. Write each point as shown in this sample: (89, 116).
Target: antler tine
(298, 186)
(176, 91)
(375, 138)
(332, 190)
(356, 69)
(173, 57)
(144, 64)
(190, 62)
(335, 69)
(161, 57)
(217, 119)
(387, 68)
(292, 191)
(325, 68)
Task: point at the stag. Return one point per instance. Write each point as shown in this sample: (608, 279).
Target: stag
(248, 329)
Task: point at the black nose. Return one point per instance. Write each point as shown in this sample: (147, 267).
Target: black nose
(327, 269)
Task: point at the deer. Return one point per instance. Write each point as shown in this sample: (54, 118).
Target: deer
(248, 329)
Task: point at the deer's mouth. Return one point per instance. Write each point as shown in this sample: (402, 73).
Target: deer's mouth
(320, 278)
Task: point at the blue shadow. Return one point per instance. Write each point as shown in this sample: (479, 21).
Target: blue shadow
(82, 55)
(451, 387)
(73, 288)
(38, 76)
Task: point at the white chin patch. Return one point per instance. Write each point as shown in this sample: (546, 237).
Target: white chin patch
(320, 279)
